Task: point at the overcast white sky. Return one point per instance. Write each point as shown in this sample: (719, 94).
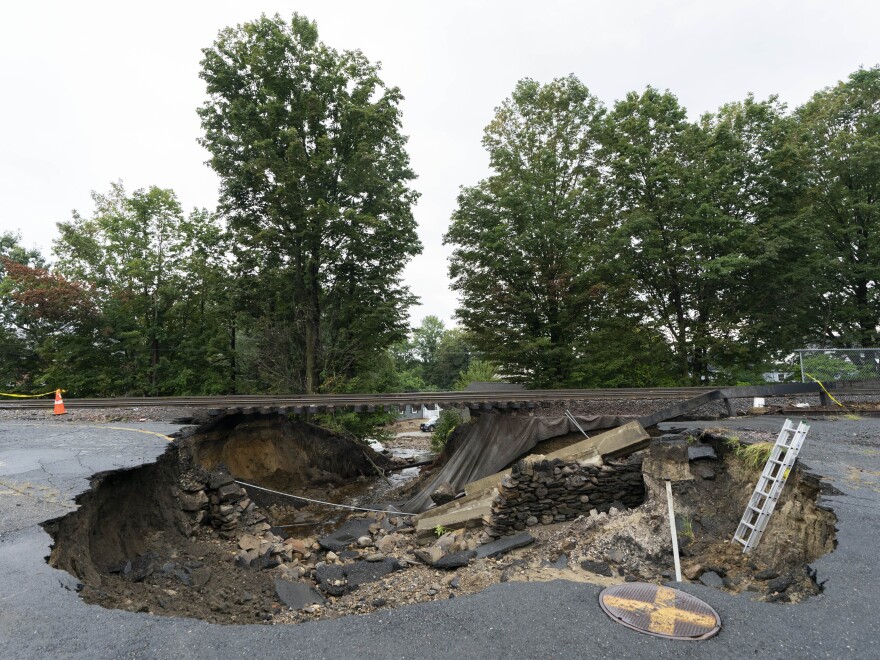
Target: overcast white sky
(94, 92)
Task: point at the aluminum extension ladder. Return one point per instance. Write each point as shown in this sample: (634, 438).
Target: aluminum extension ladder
(770, 485)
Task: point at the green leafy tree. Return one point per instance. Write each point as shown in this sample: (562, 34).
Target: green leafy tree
(838, 136)
(36, 306)
(478, 371)
(452, 357)
(314, 185)
(687, 203)
(426, 339)
(521, 260)
(156, 281)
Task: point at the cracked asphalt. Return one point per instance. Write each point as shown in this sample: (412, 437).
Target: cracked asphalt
(44, 466)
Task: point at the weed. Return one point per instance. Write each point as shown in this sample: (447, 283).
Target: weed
(755, 455)
(446, 424)
(687, 528)
(440, 530)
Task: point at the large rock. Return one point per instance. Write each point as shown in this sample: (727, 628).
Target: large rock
(700, 452)
(331, 579)
(712, 579)
(297, 595)
(219, 479)
(230, 493)
(504, 545)
(430, 555)
(192, 501)
(443, 493)
(455, 560)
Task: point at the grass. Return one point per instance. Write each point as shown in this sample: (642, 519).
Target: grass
(687, 528)
(853, 418)
(753, 455)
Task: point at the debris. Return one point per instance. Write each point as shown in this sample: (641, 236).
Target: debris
(504, 545)
(700, 452)
(443, 493)
(343, 537)
(455, 560)
(712, 579)
(297, 595)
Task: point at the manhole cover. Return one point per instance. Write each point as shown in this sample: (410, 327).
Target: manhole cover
(660, 611)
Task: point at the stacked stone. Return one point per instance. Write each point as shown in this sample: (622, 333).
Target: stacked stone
(215, 499)
(544, 492)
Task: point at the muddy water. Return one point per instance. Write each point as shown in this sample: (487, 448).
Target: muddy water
(295, 519)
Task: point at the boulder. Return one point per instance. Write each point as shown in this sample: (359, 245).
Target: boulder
(443, 493)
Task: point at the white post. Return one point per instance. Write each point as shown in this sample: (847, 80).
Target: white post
(672, 529)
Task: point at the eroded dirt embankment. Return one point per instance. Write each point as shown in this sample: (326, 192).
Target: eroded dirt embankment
(179, 537)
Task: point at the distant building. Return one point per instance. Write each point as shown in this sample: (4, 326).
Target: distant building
(777, 376)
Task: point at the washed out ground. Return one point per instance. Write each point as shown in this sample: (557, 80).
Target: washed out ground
(197, 576)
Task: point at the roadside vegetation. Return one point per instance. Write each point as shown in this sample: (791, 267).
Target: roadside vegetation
(610, 245)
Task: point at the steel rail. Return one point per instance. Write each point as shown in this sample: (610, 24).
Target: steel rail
(501, 398)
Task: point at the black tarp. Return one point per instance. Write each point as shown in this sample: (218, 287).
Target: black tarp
(492, 442)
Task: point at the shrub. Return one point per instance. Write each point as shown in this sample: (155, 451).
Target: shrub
(446, 424)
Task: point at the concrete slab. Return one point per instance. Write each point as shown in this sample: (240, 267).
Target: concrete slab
(467, 517)
(668, 460)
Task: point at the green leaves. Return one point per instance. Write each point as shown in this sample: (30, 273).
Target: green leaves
(607, 241)
(315, 177)
(519, 263)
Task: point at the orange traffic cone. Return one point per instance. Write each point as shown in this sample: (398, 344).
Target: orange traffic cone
(59, 404)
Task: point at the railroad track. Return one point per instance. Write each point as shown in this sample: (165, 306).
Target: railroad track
(489, 399)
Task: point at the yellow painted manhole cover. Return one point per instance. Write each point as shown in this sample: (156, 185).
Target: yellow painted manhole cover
(660, 611)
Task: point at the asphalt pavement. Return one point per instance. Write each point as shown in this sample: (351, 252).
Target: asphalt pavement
(44, 466)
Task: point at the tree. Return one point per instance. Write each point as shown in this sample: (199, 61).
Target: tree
(839, 138)
(314, 185)
(156, 277)
(521, 260)
(426, 339)
(452, 357)
(478, 371)
(687, 202)
(33, 305)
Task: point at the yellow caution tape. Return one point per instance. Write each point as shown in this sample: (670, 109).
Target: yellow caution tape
(816, 380)
(30, 396)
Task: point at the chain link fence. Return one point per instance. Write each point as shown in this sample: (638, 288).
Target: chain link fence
(826, 364)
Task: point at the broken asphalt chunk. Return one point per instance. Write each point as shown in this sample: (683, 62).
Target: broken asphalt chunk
(700, 452)
(455, 560)
(504, 545)
(297, 595)
(347, 534)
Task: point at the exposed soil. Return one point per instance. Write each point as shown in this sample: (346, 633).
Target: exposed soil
(134, 549)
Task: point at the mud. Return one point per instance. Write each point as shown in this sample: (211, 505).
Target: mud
(133, 548)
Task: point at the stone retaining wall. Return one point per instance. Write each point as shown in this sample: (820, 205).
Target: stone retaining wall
(544, 492)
